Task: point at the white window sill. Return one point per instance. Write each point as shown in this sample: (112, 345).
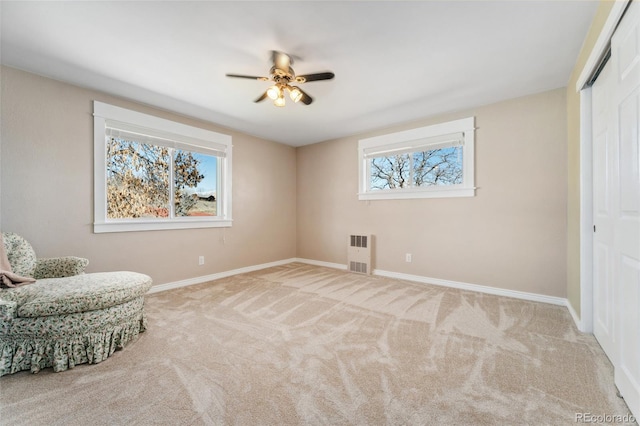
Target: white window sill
(155, 225)
(403, 194)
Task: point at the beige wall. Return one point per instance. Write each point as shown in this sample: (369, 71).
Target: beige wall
(511, 235)
(573, 163)
(302, 202)
(47, 189)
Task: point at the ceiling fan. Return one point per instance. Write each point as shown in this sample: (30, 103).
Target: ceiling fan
(283, 77)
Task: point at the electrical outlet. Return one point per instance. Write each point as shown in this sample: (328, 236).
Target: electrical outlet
(407, 257)
(201, 260)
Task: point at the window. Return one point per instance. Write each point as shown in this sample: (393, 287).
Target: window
(427, 162)
(152, 173)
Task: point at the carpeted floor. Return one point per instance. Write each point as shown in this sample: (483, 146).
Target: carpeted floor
(301, 344)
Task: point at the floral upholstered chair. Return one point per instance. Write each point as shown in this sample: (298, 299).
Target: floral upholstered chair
(65, 317)
(24, 262)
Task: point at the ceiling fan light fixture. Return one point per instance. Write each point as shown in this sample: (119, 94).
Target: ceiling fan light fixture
(282, 77)
(295, 94)
(279, 102)
(274, 92)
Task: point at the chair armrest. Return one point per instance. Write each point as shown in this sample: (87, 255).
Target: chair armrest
(8, 310)
(59, 267)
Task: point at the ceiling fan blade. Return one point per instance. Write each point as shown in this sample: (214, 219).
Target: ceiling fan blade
(281, 60)
(261, 98)
(305, 99)
(250, 77)
(315, 77)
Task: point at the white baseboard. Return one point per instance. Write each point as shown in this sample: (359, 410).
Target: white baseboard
(217, 276)
(321, 263)
(534, 297)
(576, 318)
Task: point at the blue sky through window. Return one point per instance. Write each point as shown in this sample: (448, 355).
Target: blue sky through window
(208, 166)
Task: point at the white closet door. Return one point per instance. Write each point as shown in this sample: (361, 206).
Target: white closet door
(604, 213)
(616, 207)
(625, 53)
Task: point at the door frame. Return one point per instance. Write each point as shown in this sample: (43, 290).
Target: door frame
(585, 320)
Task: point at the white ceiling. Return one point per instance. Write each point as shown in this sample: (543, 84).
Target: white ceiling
(394, 61)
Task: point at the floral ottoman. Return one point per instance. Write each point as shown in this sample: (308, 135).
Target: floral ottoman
(61, 322)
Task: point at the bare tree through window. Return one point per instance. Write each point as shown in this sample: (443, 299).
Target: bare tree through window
(418, 169)
(138, 181)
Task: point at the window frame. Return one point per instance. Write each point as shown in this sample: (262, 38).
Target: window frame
(184, 136)
(420, 138)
